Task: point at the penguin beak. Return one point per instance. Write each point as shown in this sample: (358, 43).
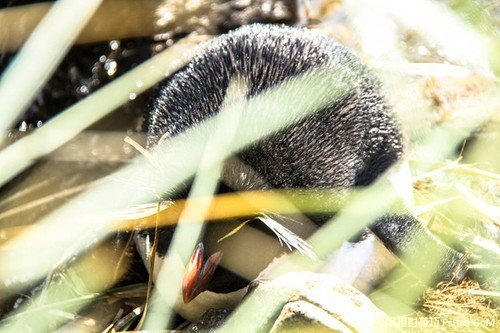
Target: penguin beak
(199, 273)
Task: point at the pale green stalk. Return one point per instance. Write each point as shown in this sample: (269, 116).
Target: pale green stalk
(39, 57)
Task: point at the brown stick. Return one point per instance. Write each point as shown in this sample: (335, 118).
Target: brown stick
(115, 19)
(242, 204)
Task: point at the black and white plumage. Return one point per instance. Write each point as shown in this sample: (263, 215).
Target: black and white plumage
(348, 143)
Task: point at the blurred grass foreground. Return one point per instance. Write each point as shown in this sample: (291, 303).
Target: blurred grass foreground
(76, 184)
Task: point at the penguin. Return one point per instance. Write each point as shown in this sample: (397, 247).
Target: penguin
(347, 143)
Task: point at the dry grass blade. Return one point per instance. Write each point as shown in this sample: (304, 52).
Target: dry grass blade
(55, 196)
(490, 211)
(152, 257)
(142, 150)
(26, 191)
(465, 303)
(478, 172)
(234, 231)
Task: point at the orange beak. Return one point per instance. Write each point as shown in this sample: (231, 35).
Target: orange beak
(199, 273)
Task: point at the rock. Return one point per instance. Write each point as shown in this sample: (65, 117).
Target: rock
(299, 302)
(302, 316)
(318, 302)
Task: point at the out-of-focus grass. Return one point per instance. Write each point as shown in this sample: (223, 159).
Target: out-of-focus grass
(191, 220)
(84, 113)
(485, 21)
(69, 291)
(39, 57)
(178, 158)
